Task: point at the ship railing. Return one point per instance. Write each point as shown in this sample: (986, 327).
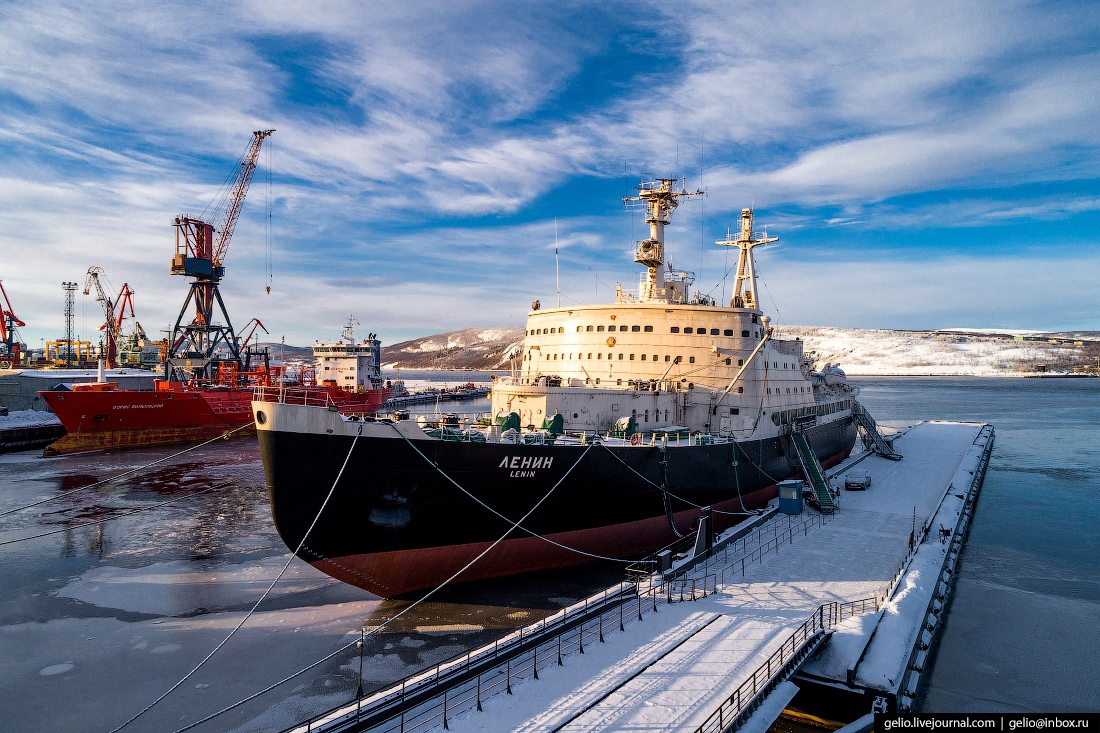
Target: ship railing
(293, 396)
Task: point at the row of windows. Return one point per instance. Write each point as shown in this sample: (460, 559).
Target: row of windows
(701, 331)
(820, 410)
(656, 357)
(797, 390)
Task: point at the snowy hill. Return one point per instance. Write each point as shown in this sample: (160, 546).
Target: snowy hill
(478, 348)
(951, 352)
(858, 351)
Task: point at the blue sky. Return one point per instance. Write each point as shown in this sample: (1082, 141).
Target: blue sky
(925, 164)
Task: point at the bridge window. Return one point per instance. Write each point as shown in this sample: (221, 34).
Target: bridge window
(580, 328)
(654, 357)
(667, 357)
(635, 328)
(599, 328)
(701, 331)
(620, 356)
(561, 329)
(728, 332)
(735, 410)
(649, 329)
(643, 357)
(744, 334)
(714, 332)
(587, 328)
(674, 329)
(631, 357)
(687, 329)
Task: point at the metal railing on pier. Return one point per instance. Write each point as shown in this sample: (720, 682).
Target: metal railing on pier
(782, 662)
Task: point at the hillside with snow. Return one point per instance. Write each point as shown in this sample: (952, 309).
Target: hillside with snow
(477, 348)
(871, 352)
(866, 352)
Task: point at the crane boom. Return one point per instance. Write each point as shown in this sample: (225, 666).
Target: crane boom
(236, 197)
(9, 340)
(109, 325)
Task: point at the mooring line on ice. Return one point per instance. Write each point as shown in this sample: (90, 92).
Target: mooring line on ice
(375, 630)
(223, 436)
(118, 516)
(536, 535)
(266, 592)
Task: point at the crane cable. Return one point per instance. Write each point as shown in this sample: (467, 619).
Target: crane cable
(387, 622)
(223, 436)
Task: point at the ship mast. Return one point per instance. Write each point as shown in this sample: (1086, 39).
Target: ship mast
(660, 199)
(746, 267)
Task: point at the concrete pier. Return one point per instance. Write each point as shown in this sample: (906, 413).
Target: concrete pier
(846, 602)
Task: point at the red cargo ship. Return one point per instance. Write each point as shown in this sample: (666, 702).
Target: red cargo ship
(103, 417)
(99, 416)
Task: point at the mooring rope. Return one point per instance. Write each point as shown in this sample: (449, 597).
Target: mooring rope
(461, 488)
(223, 436)
(393, 618)
(293, 555)
(117, 516)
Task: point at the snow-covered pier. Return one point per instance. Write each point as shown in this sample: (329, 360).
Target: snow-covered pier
(846, 604)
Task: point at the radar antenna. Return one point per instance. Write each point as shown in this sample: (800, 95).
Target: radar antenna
(660, 199)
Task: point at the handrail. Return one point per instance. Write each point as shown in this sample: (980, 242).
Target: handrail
(826, 616)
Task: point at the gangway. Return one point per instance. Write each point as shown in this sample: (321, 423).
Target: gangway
(871, 435)
(811, 468)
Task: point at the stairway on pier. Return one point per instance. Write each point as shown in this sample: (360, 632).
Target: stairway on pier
(814, 473)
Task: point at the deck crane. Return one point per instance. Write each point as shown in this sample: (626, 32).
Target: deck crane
(10, 347)
(196, 349)
(254, 323)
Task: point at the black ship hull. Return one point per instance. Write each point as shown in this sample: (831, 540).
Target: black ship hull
(395, 524)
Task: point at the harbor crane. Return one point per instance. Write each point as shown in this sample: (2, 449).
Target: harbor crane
(197, 348)
(114, 312)
(10, 347)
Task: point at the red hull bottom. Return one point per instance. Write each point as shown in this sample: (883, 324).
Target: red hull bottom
(141, 438)
(391, 574)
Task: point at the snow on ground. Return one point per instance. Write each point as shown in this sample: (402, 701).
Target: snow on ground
(27, 419)
(867, 352)
(672, 670)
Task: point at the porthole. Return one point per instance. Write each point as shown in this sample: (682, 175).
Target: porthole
(261, 418)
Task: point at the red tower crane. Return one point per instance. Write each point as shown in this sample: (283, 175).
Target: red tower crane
(195, 349)
(10, 347)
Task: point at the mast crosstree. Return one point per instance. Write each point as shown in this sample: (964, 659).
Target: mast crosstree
(746, 267)
(660, 199)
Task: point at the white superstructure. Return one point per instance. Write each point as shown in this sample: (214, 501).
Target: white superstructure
(355, 367)
(667, 358)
